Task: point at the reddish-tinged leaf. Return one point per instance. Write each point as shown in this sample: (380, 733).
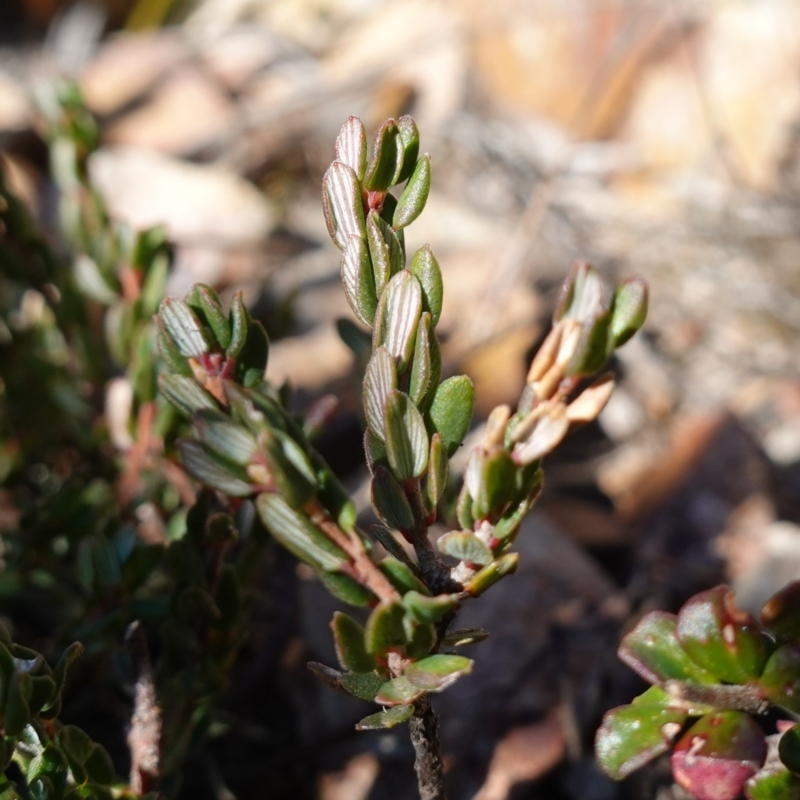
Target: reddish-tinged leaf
(718, 755)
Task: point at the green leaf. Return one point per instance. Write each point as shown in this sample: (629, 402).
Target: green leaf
(239, 325)
(357, 339)
(212, 470)
(773, 783)
(409, 143)
(451, 411)
(204, 301)
(17, 711)
(297, 534)
(720, 637)
(341, 204)
(491, 574)
(426, 609)
(465, 546)
(68, 657)
(364, 685)
(789, 749)
(464, 509)
(399, 310)
(491, 480)
(347, 589)
(385, 627)
(351, 650)
(390, 501)
(402, 577)
(385, 251)
(415, 195)
(351, 146)
(51, 765)
(629, 310)
(421, 638)
(333, 496)
(185, 395)
(386, 719)
(592, 350)
(387, 159)
(437, 470)
(429, 274)
(781, 614)
(169, 352)
(422, 367)
(631, 736)
(155, 283)
(358, 279)
(436, 673)
(406, 438)
(100, 767)
(90, 280)
(380, 378)
(465, 636)
(653, 652)
(224, 437)
(251, 363)
(780, 679)
(185, 329)
(289, 467)
(718, 755)
(397, 692)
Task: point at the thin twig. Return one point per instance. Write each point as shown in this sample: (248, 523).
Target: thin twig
(428, 763)
(365, 567)
(434, 572)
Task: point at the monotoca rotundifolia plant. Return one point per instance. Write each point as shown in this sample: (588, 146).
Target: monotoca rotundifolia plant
(246, 444)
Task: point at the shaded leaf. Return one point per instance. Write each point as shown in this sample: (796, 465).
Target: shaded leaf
(213, 471)
(465, 636)
(390, 501)
(386, 163)
(296, 533)
(424, 609)
(385, 627)
(386, 719)
(351, 650)
(409, 139)
(385, 251)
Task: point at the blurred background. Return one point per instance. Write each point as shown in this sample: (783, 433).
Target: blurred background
(658, 137)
